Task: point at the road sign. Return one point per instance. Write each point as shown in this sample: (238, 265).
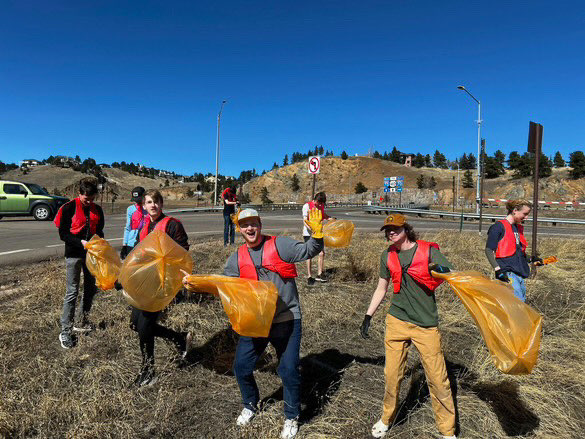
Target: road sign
(314, 164)
(393, 184)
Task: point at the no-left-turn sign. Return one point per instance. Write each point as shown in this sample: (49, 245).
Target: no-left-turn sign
(314, 164)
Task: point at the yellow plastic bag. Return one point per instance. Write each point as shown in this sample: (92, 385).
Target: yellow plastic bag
(338, 233)
(103, 262)
(510, 328)
(151, 274)
(249, 304)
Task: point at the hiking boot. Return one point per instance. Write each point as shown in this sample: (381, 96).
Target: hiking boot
(290, 429)
(311, 281)
(84, 327)
(245, 417)
(67, 340)
(380, 429)
(321, 278)
(146, 377)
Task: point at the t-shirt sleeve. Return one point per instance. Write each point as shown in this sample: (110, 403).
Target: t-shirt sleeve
(295, 251)
(384, 272)
(495, 233)
(231, 266)
(439, 258)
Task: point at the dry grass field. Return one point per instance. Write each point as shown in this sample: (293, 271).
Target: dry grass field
(85, 392)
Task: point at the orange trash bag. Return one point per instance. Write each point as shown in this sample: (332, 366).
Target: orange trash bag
(103, 262)
(151, 273)
(338, 233)
(510, 328)
(249, 304)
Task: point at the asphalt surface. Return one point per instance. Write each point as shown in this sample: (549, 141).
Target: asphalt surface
(24, 240)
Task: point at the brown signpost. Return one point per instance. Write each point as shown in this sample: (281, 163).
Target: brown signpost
(535, 147)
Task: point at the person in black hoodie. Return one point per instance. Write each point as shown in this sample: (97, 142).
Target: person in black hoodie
(78, 220)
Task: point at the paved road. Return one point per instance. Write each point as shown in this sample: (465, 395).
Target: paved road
(27, 240)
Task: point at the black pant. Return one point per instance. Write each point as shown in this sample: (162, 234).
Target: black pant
(144, 323)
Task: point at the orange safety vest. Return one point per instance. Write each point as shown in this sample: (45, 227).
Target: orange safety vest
(161, 225)
(418, 269)
(271, 260)
(507, 245)
(79, 220)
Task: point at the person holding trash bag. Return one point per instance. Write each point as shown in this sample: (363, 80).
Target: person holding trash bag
(144, 322)
(505, 248)
(78, 220)
(230, 200)
(412, 319)
(318, 202)
(135, 216)
(270, 258)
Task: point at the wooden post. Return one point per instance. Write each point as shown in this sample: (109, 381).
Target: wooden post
(314, 183)
(535, 146)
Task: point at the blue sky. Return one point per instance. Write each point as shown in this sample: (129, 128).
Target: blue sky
(143, 81)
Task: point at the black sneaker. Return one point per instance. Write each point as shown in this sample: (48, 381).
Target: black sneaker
(311, 281)
(146, 378)
(321, 278)
(67, 340)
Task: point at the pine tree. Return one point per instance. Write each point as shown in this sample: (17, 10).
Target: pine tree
(395, 155)
(439, 160)
(467, 179)
(294, 183)
(376, 155)
(420, 182)
(432, 183)
(514, 160)
(360, 188)
(264, 196)
(472, 161)
(343, 155)
(559, 161)
(321, 150)
(577, 162)
(418, 160)
(523, 166)
(275, 166)
(285, 161)
(500, 157)
(428, 162)
(493, 168)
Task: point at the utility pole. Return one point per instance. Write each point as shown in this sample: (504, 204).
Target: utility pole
(482, 173)
(535, 147)
(215, 200)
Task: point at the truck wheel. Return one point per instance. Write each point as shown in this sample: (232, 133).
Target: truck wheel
(42, 212)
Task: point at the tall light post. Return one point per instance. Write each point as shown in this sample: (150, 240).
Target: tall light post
(477, 200)
(217, 153)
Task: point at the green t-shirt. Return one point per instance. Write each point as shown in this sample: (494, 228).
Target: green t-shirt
(414, 303)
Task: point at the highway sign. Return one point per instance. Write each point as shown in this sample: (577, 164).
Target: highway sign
(314, 164)
(393, 184)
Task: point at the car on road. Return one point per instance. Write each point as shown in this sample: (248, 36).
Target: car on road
(28, 199)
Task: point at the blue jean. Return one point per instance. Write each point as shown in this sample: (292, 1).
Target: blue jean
(228, 229)
(519, 285)
(286, 339)
(73, 269)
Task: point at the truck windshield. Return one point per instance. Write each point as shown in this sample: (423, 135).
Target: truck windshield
(36, 189)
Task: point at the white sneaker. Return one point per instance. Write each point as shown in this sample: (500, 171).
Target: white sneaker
(449, 437)
(380, 429)
(245, 417)
(290, 429)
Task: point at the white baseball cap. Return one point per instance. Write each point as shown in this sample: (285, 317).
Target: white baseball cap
(248, 213)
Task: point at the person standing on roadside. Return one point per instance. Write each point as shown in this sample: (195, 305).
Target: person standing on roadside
(273, 259)
(412, 319)
(145, 322)
(230, 200)
(78, 220)
(319, 201)
(505, 248)
(135, 216)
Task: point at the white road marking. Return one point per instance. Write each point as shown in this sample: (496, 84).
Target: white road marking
(15, 251)
(54, 245)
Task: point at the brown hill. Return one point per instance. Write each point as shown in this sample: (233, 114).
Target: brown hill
(338, 179)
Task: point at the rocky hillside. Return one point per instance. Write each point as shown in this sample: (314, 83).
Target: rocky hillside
(338, 179)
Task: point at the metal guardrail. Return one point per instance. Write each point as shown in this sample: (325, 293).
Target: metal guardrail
(261, 207)
(442, 214)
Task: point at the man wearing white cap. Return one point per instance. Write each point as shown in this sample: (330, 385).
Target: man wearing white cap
(272, 259)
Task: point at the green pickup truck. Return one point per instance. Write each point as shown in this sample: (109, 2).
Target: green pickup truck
(28, 199)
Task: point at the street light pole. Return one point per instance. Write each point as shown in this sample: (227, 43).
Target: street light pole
(479, 121)
(217, 153)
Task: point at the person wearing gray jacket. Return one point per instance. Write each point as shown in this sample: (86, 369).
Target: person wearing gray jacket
(272, 259)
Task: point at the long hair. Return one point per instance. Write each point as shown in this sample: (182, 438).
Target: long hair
(410, 233)
(517, 204)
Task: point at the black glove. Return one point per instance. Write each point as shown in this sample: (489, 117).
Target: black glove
(535, 259)
(501, 275)
(117, 286)
(124, 252)
(365, 326)
(439, 268)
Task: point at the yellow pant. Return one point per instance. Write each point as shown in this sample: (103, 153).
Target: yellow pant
(399, 336)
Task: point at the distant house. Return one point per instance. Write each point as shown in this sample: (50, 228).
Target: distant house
(210, 179)
(64, 161)
(104, 165)
(165, 174)
(30, 163)
(406, 158)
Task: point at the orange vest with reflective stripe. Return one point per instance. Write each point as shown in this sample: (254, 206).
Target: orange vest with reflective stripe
(161, 225)
(271, 260)
(418, 269)
(79, 220)
(507, 245)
